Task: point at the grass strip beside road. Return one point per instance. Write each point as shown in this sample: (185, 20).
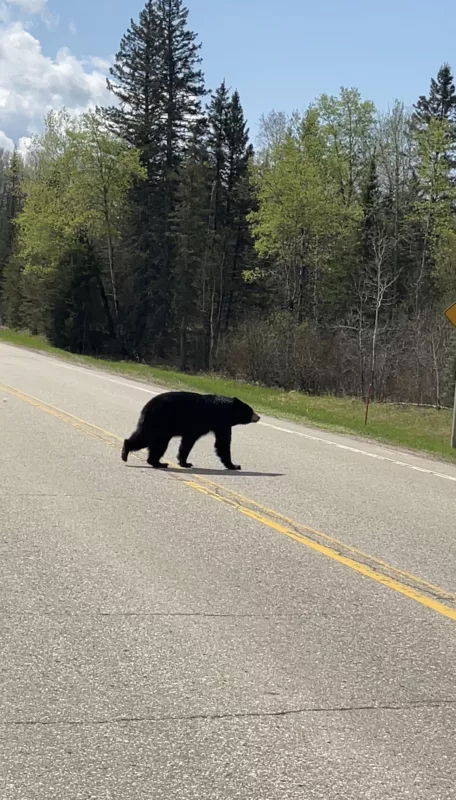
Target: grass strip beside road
(424, 430)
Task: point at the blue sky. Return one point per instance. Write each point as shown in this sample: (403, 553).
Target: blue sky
(278, 55)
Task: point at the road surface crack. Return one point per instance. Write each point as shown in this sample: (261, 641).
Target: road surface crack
(146, 614)
(342, 709)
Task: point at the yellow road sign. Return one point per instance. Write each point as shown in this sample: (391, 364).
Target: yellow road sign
(450, 314)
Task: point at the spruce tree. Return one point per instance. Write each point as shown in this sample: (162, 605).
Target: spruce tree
(78, 319)
(239, 204)
(181, 80)
(11, 202)
(441, 102)
(136, 85)
(158, 82)
(440, 105)
(370, 202)
(228, 235)
(190, 232)
(135, 82)
(215, 266)
(11, 293)
(10, 264)
(217, 121)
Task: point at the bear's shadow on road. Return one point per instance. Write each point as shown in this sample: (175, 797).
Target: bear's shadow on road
(204, 471)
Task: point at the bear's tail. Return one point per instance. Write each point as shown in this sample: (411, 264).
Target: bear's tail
(136, 442)
(125, 451)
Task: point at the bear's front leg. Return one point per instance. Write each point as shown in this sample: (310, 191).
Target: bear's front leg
(223, 448)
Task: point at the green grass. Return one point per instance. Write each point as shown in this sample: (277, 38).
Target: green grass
(420, 429)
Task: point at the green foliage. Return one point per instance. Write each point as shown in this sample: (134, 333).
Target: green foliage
(348, 124)
(76, 319)
(302, 221)
(435, 202)
(80, 180)
(102, 170)
(12, 296)
(152, 230)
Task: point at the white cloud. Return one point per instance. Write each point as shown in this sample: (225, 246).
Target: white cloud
(99, 63)
(72, 27)
(5, 142)
(31, 84)
(30, 6)
(26, 9)
(24, 144)
(5, 15)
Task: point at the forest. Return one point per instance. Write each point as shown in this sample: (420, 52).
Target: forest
(319, 258)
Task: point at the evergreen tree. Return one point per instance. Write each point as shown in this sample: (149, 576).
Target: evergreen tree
(239, 205)
(439, 107)
(10, 263)
(181, 80)
(228, 232)
(217, 122)
(156, 78)
(136, 85)
(77, 319)
(4, 215)
(12, 176)
(441, 102)
(11, 293)
(191, 231)
(370, 203)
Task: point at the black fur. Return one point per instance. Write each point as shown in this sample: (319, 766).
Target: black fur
(190, 416)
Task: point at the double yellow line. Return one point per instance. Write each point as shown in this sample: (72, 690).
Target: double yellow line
(427, 594)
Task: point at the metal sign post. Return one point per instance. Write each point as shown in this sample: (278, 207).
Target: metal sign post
(453, 427)
(450, 314)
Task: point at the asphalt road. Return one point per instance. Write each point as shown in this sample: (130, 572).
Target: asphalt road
(284, 632)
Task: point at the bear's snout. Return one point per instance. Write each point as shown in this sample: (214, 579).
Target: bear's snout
(255, 417)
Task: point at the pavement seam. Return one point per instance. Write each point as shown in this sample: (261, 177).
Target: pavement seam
(196, 614)
(419, 704)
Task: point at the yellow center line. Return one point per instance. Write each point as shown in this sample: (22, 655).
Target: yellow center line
(401, 581)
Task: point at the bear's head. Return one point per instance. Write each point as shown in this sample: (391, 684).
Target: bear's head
(242, 413)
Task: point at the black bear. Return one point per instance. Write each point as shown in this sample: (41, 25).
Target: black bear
(190, 416)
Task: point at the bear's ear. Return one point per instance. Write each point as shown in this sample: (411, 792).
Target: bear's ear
(236, 400)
